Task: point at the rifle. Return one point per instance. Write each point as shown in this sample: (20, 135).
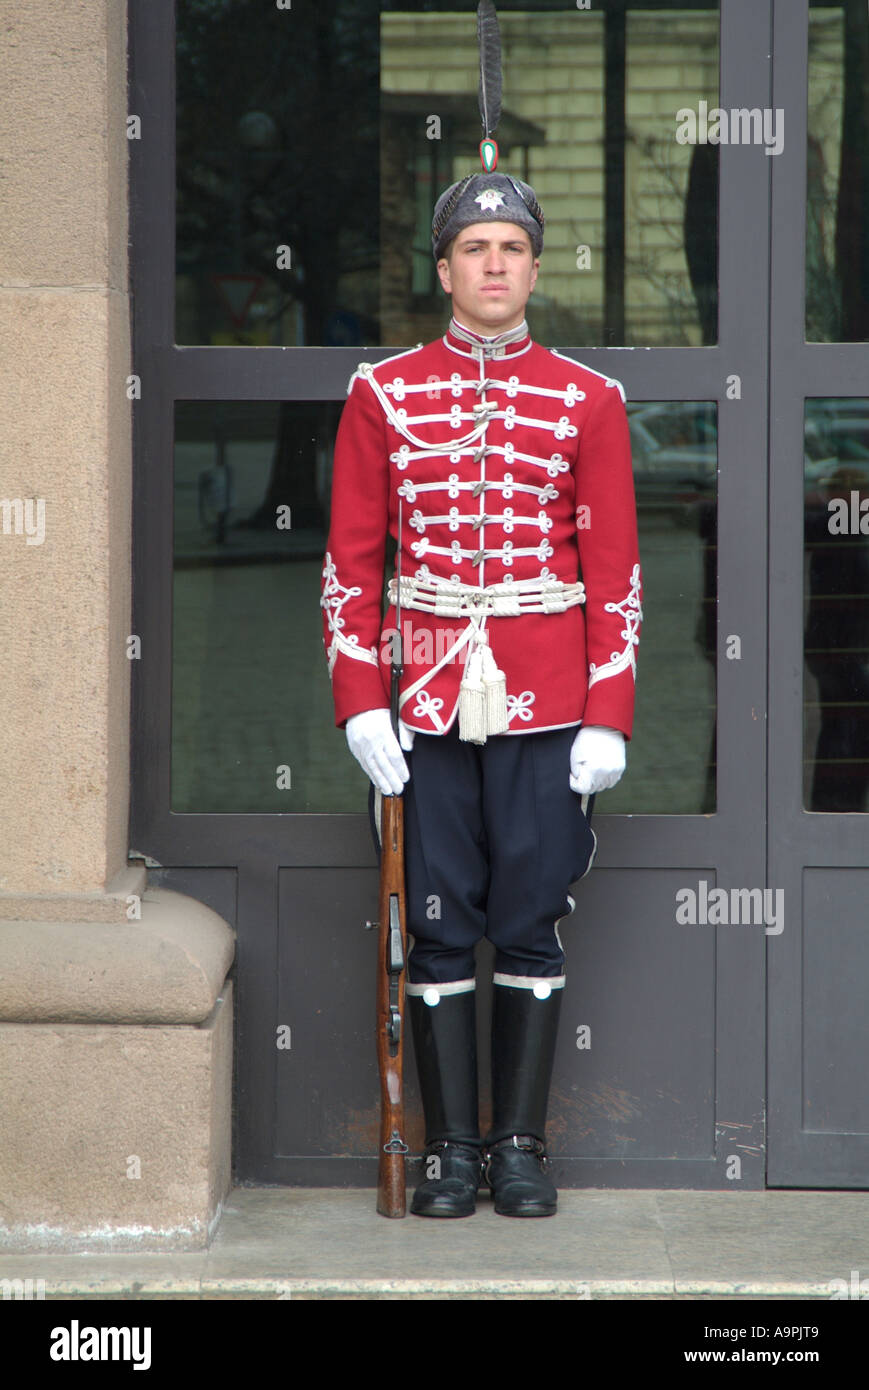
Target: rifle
(391, 958)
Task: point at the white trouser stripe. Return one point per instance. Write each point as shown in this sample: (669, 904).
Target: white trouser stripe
(452, 987)
(529, 981)
(593, 853)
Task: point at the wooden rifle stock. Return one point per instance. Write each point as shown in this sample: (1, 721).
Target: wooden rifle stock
(391, 962)
(392, 966)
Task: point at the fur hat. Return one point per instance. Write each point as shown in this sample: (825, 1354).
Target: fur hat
(483, 198)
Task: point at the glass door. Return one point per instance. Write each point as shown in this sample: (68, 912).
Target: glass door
(281, 195)
(819, 596)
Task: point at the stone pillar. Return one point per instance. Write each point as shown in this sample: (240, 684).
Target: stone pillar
(115, 1016)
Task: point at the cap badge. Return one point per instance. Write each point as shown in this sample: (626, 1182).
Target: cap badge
(490, 199)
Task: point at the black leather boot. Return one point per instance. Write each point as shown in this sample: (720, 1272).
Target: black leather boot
(524, 1031)
(445, 1043)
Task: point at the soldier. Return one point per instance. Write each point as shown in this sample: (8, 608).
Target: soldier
(520, 572)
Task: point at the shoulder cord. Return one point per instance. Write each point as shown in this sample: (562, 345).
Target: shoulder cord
(448, 445)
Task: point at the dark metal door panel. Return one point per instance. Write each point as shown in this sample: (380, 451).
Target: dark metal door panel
(635, 1097)
(636, 1090)
(326, 1102)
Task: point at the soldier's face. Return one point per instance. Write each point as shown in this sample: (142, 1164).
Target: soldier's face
(490, 274)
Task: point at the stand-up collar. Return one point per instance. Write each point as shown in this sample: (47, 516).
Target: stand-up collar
(470, 344)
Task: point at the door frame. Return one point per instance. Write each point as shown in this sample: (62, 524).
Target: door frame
(245, 851)
(800, 841)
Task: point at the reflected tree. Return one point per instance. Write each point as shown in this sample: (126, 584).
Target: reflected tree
(852, 224)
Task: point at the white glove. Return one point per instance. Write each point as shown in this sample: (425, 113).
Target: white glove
(597, 759)
(376, 749)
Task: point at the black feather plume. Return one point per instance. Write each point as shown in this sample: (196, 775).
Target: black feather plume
(489, 38)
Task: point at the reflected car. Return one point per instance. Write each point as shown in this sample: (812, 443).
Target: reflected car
(836, 452)
(675, 454)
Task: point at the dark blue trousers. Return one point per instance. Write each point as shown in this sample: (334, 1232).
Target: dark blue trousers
(494, 836)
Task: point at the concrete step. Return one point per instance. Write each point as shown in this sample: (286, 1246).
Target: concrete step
(325, 1243)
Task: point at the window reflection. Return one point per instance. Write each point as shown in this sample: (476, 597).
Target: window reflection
(671, 759)
(836, 684)
(252, 718)
(312, 142)
(837, 173)
(278, 182)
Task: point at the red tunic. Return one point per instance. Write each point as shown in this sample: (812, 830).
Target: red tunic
(548, 439)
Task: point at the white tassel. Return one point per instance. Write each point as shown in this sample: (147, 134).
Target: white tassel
(472, 701)
(495, 686)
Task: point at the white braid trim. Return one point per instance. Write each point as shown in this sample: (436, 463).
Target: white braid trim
(453, 987)
(398, 424)
(632, 612)
(608, 380)
(528, 981)
(332, 600)
(450, 599)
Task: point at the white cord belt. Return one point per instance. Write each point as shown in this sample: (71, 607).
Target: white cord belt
(448, 599)
(483, 691)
